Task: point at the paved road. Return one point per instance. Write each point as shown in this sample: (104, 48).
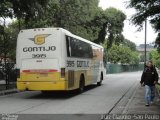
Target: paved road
(95, 100)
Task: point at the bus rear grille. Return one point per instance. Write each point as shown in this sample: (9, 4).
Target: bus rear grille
(70, 78)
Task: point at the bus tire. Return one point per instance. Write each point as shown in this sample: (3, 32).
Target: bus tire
(81, 84)
(101, 79)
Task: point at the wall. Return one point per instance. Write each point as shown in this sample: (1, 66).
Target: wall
(118, 68)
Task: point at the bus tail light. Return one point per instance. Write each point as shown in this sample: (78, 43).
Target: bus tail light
(62, 72)
(40, 71)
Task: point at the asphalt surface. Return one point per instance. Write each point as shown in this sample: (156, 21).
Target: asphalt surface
(119, 94)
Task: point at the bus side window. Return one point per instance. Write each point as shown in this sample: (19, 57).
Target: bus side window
(78, 48)
(68, 46)
(74, 47)
(104, 59)
(90, 51)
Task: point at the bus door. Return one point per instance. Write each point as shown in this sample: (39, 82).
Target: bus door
(95, 63)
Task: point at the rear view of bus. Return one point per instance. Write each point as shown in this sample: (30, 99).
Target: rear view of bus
(38, 59)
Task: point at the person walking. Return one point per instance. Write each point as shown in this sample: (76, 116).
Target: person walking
(148, 79)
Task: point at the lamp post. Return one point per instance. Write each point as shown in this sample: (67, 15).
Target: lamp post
(145, 41)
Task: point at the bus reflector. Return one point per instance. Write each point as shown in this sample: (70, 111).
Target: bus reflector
(63, 72)
(39, 71)
(26, 71)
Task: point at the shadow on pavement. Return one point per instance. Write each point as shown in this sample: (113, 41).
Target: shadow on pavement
(60, 94)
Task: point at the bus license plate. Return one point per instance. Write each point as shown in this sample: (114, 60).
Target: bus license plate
(43, 74)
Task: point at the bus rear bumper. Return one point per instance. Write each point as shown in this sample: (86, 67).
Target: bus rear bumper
(48, 86)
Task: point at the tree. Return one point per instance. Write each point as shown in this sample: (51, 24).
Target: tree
(7, 43)
(4, 9)
(75, 15)
(111, 26)
(155, 57)
(72, 15)
(135, 58)
(28, 10)
(147, 9)
(82, 17)
(122, 54)
(129, 44)
(113, 54)
(7, 51)
(8, 38)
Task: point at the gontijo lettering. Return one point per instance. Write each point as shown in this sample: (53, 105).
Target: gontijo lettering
(39, 49)
(82, 63)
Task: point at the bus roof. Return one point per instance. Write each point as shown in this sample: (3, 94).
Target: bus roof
(80, 38)
(67, 33)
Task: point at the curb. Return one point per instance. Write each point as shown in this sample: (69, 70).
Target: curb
(123, 104)
(130, 100)
(7, 92)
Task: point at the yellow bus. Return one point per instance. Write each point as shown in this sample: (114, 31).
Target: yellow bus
(54, 59)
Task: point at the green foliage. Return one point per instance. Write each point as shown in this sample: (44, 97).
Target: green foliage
(82, 17)
(142, 57)
(129, 44)
(123, 42)
(147, 9)
(8, 43)
(74, 15)
(158, 42)
(155, 57)
(4, 9)
(111, 25)
(134, 57)
(122, 54)
(28, 10)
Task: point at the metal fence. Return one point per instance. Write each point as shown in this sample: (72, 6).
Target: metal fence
(118, 68)
(7, 76)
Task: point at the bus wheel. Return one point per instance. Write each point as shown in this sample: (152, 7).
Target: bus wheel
(81, 85)
(100, 82)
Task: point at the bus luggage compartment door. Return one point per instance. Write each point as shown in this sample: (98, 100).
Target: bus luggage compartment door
(40, 70)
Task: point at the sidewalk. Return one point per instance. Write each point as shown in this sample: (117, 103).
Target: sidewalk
(11, 88)
(137, 104)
